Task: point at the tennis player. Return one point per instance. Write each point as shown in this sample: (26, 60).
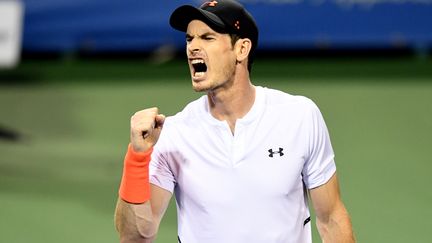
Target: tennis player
(242, 160)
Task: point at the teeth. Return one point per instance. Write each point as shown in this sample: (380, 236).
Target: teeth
(195, 61)
(199, 74)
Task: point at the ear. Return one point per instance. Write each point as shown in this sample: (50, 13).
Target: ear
(243, 47)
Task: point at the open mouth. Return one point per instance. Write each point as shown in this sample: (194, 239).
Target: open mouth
(199, 68)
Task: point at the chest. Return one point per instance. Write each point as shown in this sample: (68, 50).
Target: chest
(258, 160)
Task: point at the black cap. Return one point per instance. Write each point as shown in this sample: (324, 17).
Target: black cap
(223, 16)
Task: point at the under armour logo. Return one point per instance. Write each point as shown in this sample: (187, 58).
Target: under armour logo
(271, 152)
(210, 4)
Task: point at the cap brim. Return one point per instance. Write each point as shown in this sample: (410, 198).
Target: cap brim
(183, 15)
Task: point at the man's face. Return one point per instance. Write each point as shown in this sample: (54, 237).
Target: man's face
(211, 57)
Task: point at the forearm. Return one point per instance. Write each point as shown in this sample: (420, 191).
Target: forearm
(336, 228)
(140, 206)
(135, 222)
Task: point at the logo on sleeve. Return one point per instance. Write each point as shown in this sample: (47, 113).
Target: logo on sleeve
(272, 153)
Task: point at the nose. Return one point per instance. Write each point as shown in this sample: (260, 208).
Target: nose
(193, 47)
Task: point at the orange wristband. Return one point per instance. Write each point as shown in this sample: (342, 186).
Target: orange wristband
(135, 185)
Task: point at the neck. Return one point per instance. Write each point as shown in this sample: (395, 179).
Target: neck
(232, 103)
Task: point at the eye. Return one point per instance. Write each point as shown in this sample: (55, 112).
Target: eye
(208, 38)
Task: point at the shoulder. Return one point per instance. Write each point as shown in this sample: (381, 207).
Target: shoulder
(282, 100)
(189, 113)
(176, 127)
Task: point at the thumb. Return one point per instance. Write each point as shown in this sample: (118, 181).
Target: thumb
(159, 121)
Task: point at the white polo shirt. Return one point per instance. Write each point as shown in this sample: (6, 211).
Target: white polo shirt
(249, 187)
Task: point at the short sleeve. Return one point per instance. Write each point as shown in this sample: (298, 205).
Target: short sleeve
(319, 165)
(160, 172)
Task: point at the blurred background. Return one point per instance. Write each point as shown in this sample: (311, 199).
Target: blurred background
(73, 72)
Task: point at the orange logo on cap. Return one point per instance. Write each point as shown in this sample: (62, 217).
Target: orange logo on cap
(237, 24)
(211, 4)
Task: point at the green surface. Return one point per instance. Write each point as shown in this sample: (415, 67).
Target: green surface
(59, 182)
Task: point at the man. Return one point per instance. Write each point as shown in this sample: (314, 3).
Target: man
(240, 160)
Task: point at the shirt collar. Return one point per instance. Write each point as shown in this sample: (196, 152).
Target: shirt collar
(256, 110)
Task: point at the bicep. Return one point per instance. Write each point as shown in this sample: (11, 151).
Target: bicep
(160, 199)
(140, 222)
(333, 221)
(326, 198)
(149, 215)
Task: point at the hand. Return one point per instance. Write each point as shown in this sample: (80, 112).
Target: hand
(146, 126)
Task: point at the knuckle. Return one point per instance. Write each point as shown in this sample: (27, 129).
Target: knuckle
(154, 110)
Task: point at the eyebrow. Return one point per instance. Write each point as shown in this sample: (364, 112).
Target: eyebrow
(201, 35)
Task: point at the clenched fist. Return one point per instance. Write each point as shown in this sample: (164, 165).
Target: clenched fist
(146, 126)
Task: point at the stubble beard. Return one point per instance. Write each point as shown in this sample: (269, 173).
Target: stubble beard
(229, 72)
